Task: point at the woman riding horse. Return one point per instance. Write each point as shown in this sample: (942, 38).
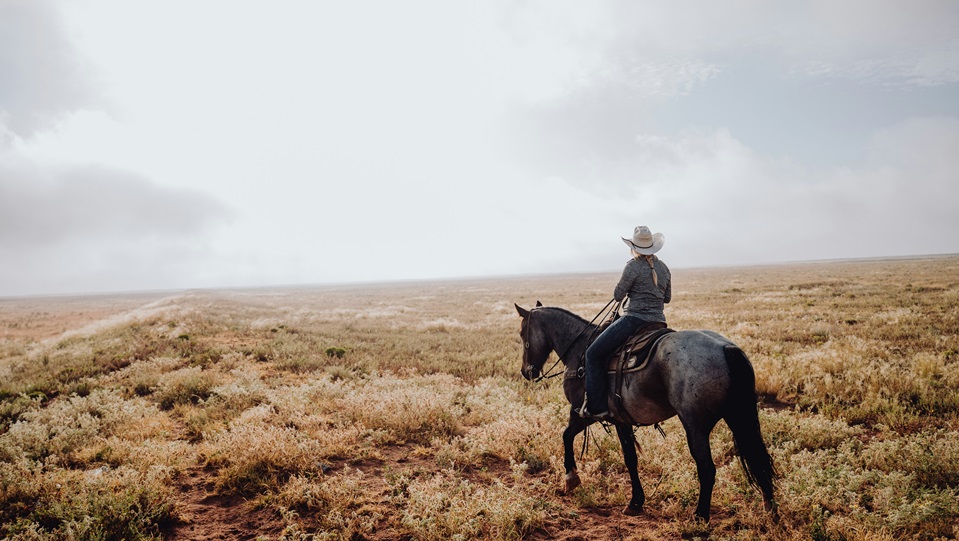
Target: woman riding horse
(698, 375)
(646, 282)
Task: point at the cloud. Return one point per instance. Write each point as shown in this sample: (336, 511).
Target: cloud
(661, 49)
(873, 41)
(929, 67)
(50, 207)
(41, 76)
(443, 140)
(809, 81)
(720, 201)
(71, 228)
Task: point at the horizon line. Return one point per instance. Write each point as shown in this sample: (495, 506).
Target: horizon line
(442, 279)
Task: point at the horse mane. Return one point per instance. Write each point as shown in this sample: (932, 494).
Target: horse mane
(567, 312)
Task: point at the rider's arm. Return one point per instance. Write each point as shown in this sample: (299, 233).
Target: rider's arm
(668, 292)
(625, 282)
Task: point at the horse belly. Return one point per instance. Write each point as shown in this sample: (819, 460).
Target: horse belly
(645, 399)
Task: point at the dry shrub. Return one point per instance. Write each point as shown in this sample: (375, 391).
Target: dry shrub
(340, 506)
(836, 483)
(317, 396)
(932, 457)
(103, 503)
(222, 403)
(22, 481)
(793, 431)
(446, 506)
(67, 427)
(243, 390)
(416, 409)
(142, 378)
(312, 408)
(253, 455)
(41, 499)
(190, 385)
(518, 432)
(15, 406)
(174, 455)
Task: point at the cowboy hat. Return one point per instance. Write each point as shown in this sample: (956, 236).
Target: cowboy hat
(644, 241)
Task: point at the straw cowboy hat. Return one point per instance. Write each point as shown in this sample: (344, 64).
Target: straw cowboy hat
(644, 241)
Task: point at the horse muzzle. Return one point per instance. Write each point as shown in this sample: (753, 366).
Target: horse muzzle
(530, 373)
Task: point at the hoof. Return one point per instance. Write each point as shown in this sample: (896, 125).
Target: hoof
(633, 510)
(572, 481)
(773, 511)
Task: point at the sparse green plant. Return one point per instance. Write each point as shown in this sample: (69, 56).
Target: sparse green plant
(335, 352)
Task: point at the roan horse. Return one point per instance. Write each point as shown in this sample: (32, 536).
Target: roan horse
(700, 376)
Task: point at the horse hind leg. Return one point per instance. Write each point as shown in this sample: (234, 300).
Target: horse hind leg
(697, 436)
(628, 442)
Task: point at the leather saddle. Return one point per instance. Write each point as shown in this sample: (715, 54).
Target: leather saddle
(635, 352)
(632, 356)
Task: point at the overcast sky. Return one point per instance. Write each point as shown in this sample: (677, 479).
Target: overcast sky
(202, 143)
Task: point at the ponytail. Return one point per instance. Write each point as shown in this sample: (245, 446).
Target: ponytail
(649, 259)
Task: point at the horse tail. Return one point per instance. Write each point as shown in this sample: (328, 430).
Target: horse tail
(742, 416)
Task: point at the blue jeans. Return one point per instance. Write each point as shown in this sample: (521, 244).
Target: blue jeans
(597, 355)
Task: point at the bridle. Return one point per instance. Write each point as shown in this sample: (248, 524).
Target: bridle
(547, 374)
(543, 375)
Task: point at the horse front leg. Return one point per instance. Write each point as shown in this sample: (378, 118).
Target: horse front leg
(575, 426)
(628, 442)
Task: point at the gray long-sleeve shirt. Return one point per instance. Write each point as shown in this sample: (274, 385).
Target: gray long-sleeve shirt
(646, 300)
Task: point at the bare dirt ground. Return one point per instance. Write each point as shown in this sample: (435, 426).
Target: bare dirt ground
(207, 516)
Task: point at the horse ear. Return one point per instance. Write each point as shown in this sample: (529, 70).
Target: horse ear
(522, 311)
(538, 304)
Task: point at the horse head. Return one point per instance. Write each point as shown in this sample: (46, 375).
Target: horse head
(536, 346)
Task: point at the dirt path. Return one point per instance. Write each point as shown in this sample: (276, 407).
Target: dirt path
(599, 523)
(44, 318)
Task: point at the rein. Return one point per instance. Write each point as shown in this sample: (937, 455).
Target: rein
(546, 374)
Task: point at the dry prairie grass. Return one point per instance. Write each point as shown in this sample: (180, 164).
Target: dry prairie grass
(128, 417)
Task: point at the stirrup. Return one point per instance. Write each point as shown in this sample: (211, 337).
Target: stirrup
(601, 416)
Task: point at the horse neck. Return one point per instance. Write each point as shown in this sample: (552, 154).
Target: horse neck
(562, 329)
